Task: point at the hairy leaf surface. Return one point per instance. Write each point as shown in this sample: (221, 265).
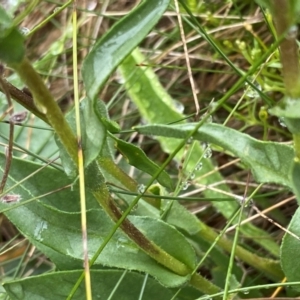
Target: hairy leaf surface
(269, 161)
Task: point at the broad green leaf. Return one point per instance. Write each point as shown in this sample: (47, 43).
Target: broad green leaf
(264, 3)
(93, 132)
(5, 23)
(157, 107)
(12, 48)
(290, 256)
(180, 217)
(59, 284)
(137, 158)
(60, 231)
(295, 174)
(118, 42)
(60, 260)
(93, 137)
(269, 161)
(141, 83)
(288, 110)
(44, 181)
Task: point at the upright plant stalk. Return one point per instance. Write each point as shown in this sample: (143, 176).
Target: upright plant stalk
(87, 274)
(285, 23)
(283, 17)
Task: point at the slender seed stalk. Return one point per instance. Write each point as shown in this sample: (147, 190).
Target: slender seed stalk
(87, 276)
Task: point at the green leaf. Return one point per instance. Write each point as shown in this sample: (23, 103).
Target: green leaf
(5, 23)
(93, 132)
(59, 284)
(180, 217)
(102, 113)
(137, 158)
(269, 161)
(93, 137)
(287, 108)
(118, 42)
(59, 231)
(12, 48)
(142, 85)
(290, 256)
(295, 173)
(44, 181)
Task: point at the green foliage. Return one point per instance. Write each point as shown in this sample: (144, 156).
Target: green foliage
(159, 242)
(12, 48)
(54, 224)
(289, 250)
(59, 285)
(289, 253)
(269, 162)
(288, 110)
(115, 45)
(5, 23)
(137, 158)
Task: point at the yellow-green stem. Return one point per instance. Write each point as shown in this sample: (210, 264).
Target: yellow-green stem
(105, 200)
(46, 104)
(296, 138)
(270, 267)
(110, 167)
(203, 284)
(87, 276)
(285, 20)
